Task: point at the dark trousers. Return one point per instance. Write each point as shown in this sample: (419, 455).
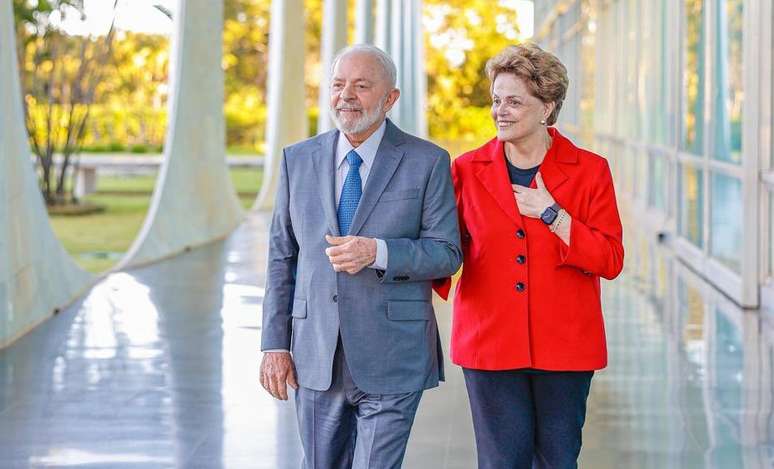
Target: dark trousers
(523, 417)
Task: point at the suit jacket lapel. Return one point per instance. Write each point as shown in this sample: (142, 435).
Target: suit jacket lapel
(388, 157)
(494, 177)
(325, 168)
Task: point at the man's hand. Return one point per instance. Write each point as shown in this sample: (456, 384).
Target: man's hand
(278, 371)
(532, 202)
(350, 254)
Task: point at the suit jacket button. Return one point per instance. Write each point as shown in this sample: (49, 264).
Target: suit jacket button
(521, 259)
(335, 298)
(520, 233)
(520, 287)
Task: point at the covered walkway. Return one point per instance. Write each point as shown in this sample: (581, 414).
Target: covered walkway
(157, 367)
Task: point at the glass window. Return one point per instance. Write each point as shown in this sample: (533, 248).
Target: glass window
(693, 77)
(588, 70)
(631, 117)
(691, 220)
(727, 118)
(771, 234)
(629, 168)
(660, 114)
(658, 181)
(642, 175)
(726, 220)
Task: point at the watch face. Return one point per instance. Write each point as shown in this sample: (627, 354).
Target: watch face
(548, 216)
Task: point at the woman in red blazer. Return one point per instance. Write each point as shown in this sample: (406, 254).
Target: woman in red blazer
(539, 226)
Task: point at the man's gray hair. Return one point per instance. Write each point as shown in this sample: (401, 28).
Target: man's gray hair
(382, 57)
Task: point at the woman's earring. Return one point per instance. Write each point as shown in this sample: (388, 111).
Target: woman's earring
(543, 122)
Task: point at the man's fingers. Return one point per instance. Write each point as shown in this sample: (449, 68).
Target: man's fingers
(342, 258)
(292, 379)
(337, 240)
(282, 386)
(519, 189)
(278, 387)
(337, 250)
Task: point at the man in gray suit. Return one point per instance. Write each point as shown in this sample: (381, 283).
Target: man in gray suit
(364, 220)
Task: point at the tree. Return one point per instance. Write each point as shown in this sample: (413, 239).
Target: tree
(60, 75)
(460, 36)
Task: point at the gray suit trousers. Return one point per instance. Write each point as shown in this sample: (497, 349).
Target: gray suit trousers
(345, 427)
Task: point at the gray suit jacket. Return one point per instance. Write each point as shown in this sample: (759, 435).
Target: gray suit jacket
(386, 319)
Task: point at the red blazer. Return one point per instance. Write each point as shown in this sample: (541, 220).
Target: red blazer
(555, 322)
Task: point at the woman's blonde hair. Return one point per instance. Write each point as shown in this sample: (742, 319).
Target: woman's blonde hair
(543, 73)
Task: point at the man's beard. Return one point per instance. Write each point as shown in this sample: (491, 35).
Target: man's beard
(361, 124)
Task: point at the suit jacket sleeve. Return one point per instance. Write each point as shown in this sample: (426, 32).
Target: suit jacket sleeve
(596, 245)
(280, 271)
(443, 286)
(436, 253)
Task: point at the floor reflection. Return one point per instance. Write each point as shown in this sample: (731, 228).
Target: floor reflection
(689, 382)
(158, 367)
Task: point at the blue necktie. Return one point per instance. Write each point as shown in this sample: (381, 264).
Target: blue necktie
(350, 193)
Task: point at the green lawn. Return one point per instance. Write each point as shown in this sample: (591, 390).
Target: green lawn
(97, 241)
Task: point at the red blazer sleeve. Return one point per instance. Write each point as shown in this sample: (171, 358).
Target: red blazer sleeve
(596, 246)
(442, 286)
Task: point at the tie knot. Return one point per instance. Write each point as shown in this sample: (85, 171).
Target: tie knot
(354, 159)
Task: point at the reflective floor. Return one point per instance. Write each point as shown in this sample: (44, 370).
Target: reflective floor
(157, 367)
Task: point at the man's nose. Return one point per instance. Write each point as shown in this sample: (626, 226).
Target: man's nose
(348, 92)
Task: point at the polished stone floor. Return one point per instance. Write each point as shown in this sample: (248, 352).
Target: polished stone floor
(157, 367)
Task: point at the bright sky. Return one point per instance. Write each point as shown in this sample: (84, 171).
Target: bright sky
(141, 16)
(131, 15)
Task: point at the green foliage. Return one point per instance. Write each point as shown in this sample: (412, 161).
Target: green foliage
(96, 241)
(130, 108)
(460, 36)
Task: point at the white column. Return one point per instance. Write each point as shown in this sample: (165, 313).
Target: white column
(334, 37)
(194, 201)
(382, 37)
(364, 22)
(36, 274)
(286, 122)
(407, 50)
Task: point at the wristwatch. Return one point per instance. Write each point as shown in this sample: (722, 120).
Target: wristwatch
(549, 214)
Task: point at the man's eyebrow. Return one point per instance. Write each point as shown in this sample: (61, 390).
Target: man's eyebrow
(356, 80)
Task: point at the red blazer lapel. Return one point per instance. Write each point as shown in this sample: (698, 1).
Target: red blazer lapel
(494, 177)
(562, 151)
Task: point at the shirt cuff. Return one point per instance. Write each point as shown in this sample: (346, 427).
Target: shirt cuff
(276, 350)
(381, 256)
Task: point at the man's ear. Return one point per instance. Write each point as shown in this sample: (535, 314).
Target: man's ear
(392, 98)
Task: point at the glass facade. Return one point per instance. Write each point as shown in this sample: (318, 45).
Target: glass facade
(771, 234)
(664, 88)
(691, 219)
(692, 138)
(728, 95)
(658, 178)
(726, 220)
